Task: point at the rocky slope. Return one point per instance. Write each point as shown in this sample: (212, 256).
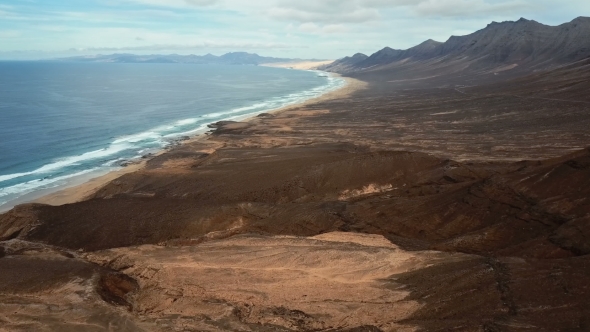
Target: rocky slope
(345, 63)
(522, 46)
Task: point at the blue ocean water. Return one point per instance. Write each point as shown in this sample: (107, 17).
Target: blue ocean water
(59, 121)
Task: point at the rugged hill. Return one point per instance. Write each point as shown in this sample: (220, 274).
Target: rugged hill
(344, 64)
(523, 46)
(425, 50)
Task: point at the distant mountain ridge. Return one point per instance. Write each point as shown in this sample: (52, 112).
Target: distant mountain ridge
(523, 44)
(233, 58)
(347, 62)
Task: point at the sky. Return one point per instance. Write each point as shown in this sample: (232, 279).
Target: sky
(306, 29)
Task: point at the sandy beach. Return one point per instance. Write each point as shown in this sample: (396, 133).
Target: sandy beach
(80, 192)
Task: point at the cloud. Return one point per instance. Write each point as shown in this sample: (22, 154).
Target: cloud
(189, 47)
(468, 8)
(176, 3)
(328, 11)
(359, 15)
(10, 34)
(53, 28)
(322, 30)
(361, 11)
(332, 28)
(10, 15)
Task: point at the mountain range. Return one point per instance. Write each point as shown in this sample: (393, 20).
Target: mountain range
(500, 48)
(233, 58)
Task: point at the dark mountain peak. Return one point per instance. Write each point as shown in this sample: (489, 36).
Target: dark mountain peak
(386, 51)
(581, 19)
(430, 42)
(521, 22)
(510, 45)
(495, 24)
(529, 23)
(345, 63)
(358, 57)
(426, 45)
(420, 51)
(388, 55)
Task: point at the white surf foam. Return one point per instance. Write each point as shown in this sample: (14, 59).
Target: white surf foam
(69, 161)
(157, 137)
(9, 193)
(186, 122)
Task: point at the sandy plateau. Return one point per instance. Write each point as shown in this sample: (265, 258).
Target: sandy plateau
(330, 282)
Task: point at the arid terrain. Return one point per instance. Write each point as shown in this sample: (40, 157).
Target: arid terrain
(409, 204)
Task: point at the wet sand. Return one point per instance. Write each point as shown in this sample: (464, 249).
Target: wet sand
(80, 192)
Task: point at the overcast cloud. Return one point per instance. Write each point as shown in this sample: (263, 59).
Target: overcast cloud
(326, 29)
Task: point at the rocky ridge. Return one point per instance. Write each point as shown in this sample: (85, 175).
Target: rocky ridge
(523, 46)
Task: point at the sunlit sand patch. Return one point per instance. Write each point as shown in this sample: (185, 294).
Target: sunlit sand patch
(304, 112)
(330, 281)
(372, 188)
(444, 113)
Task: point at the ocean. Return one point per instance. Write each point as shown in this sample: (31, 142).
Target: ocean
(65, 121)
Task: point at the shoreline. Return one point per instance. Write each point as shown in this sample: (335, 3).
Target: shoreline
(81, 188)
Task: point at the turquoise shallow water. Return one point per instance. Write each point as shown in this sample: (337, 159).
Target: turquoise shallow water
(59, 121)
